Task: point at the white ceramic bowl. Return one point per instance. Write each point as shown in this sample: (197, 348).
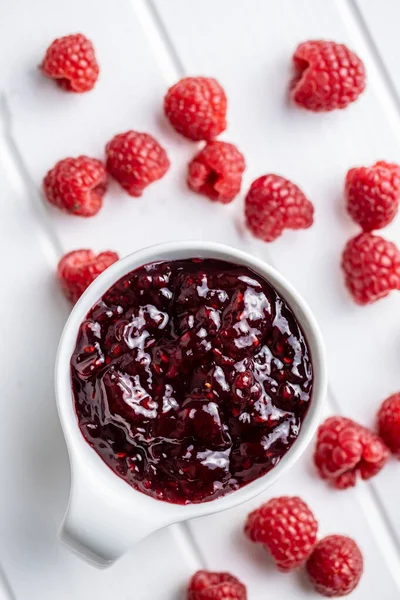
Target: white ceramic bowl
(106, 516)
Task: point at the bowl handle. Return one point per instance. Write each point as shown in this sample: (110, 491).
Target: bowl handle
(98, 528)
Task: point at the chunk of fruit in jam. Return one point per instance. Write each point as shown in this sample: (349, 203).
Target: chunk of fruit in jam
(191, 378)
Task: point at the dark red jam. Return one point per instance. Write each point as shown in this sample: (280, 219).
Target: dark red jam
(191, 378)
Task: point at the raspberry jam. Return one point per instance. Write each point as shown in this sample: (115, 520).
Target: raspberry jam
(191, 378)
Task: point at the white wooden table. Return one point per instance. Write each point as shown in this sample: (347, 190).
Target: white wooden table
(143, 46)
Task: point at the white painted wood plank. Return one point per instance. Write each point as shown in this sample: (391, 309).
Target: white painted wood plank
(381, 20)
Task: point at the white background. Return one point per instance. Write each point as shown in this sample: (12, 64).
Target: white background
(143, 46)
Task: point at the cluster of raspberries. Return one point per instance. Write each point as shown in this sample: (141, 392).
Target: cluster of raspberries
(371, 264)
(327, 76)
(287, 529)
(346, 450)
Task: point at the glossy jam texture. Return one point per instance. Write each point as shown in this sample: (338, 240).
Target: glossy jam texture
(191, 378)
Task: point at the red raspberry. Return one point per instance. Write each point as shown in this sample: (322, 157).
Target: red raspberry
(196, 107)
(135, 160)
(71, 61)
(387, 165)
(389, 423)
(335, 566)
(344, 449)
(77, 270)
(373, 194)
(287, 528)
(216, 171)
(273, 204)
(76, 185)
(206, 585)
(328, 76)
(371, 267)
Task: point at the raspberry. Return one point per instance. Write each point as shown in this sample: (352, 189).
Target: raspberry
(386, 165)
(76, 185)
(224, 591)
(287, 528)
(335, 566)
(373, 194)
(206, 585)
(71, 61)
(216, 171)
(389, 423)
(77, 270)
(345, 449)
(371, 267)
(135, 160)
(273, 204)
(196, 107)
(327, 76)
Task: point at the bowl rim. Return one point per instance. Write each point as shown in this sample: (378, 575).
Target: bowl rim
(85, 460)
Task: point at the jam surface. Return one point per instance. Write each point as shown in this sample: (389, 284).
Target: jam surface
(191, 378)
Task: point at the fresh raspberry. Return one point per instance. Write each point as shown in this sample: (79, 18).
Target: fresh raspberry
(76, 185)
(224, 591)
(135, 160)
(335, 566)
(206, 585)
(371, 267)
(287, 528)
(389, 423)
(71, 61)
(273, 204)
(345, 449)
(196, 107)
(387, 165)
(373, 194)
(216, 171)
(327, 76)
(77, 270)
